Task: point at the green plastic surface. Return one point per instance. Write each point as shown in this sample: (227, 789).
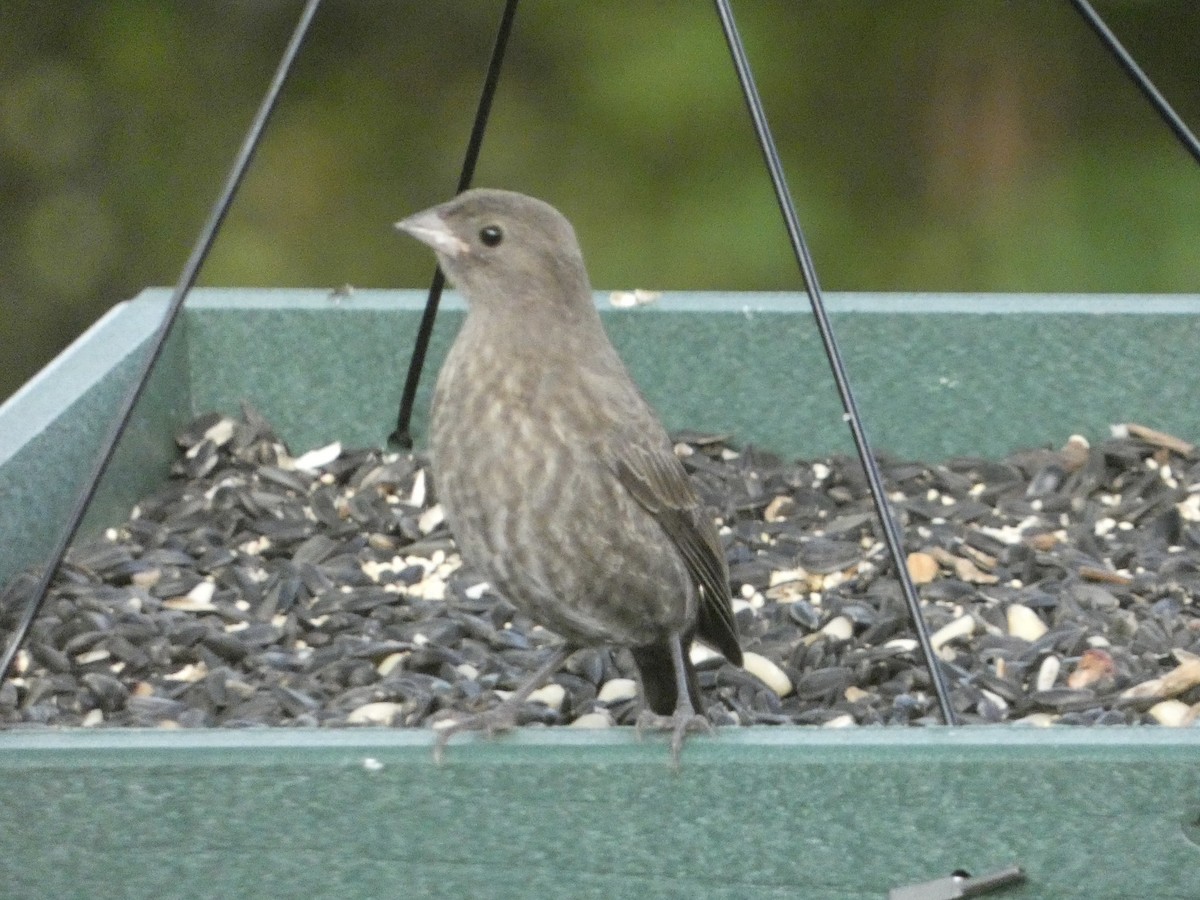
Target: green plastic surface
(1109, 813)
(51, 432)
(789, 812)
(934, 375)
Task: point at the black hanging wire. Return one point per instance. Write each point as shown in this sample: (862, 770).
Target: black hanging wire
(891, 532)
(186, 280)
(1140, 78)
(402, 436)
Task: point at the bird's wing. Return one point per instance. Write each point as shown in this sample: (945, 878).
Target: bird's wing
(659, 483)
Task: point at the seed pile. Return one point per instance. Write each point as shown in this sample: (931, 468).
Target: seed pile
(257, 588)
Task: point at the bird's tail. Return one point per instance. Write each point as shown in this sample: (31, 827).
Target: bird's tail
(658, 677)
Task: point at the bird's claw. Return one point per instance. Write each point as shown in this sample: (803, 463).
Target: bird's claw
(681, 723)
(491, 722)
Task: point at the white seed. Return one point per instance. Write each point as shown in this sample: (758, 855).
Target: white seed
(598, 719)
(417, 498)
(701, 653)
(1048, 673)
(93, 718)
(552, 695)
(767, 672)
(203, 592)
(1038, 720)
(379, 713)
(839, 628)
(390, 662)
(833, 579)
(1024, 623)
(1172, 713)
(255, 546)
(854, 693)
(617, 690)
(431, 518)
(787, 576)
(198, 599)
(466, 670)
(147, 579)
(475, 591)
(629, 299)
(221, 432)
(843, 721)
(191, 672)
(321, 456)
(373, 569)
(963, 626)
(779, 508)
(429, 589)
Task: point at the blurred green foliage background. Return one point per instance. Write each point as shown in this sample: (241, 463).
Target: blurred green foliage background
(957, 145)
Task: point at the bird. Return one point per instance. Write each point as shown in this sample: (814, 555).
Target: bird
(559, 482)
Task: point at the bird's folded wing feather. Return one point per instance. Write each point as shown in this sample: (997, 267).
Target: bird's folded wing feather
(658, 482)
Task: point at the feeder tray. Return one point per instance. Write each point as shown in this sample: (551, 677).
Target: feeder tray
(790, 811)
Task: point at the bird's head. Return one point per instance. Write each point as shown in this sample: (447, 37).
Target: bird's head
(503, 249)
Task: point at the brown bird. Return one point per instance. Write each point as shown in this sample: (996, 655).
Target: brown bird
(557, 479)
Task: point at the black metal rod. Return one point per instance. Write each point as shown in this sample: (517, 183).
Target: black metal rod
(808, 270)
(1140, 78)
(402, 436)
(186, 279)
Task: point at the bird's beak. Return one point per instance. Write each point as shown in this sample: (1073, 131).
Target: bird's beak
(429, 228)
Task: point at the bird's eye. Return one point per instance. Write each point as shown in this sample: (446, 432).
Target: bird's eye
(491, 235)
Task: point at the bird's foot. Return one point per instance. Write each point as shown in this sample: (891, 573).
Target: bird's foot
(682, 722)
(491, 722)
(499, 718)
